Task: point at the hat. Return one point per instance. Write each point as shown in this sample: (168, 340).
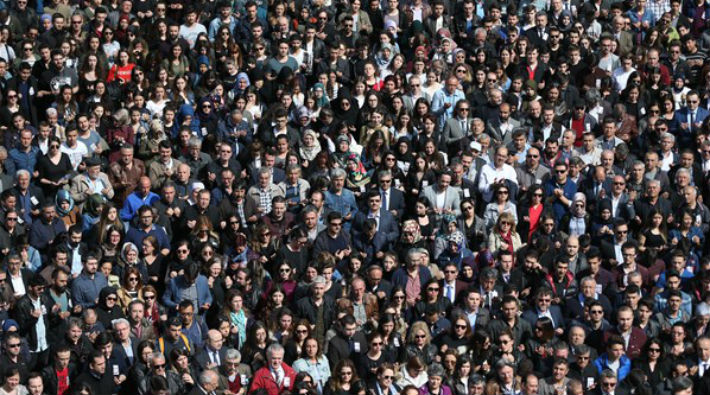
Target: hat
(578, 103)
(341, 138)
(9, 323)
(92, 161)
(456, 238)
(303, 112)
(701, 309)
(203, 59)
(420, 48)
(390, 23)
(476, 146)
(197, 186)
(531, 84)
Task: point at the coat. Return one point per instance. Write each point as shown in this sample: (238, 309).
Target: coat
(25, 319)
(264, 380)
(172, 296)
(80, 187)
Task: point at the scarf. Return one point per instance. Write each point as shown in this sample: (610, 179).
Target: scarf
(63, 196)
(579, 212)
(508, 239)
(240, 320)
(309, 153)
(359, 175)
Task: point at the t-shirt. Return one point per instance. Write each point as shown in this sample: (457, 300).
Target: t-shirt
(76, 154)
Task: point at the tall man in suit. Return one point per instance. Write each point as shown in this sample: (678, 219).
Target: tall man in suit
(501, 128)
(392, 198)
(444, 200)
(544, 308)
(386, 223)
(456, 128)
(690, 120)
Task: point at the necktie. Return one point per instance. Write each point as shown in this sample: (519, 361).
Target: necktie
(279, 378)
(692, 121)
(450, 293)
(384, 200)
(506, 278)
(463, 126)
(705, 368)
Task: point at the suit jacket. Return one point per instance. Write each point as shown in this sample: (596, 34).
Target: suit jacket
(202, 358)
(588, 187)
(278, 175)
(574, 309)
(637, 339)
(395, 202)
(459, 286)
(80, 185)
(494, 130)
(388, 224)
(558, 320)
(36, 197)
(430, 24)
(534, 36)
(626, 42)
(453, 130)
(452, 201)
(625, 208)
(685, 135)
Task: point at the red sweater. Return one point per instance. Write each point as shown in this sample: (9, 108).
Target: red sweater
(264, 379)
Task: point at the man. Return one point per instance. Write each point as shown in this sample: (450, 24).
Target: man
(531, 173)
(125, 174)
(201, 207)
(212, 355)
(193, 326)
(96, 376)
(191, 28)
(126, 346)
(60, 294)
(195, 159)
(94, 181)
(333, 239)
(457, 128)
(510, 320)
(588, 288)
(190, 286)
(560, 190)
(279, 221)
(629, 265)
(276, 376)
(496, 173)
(559, 379)
(45, 231)
(503, 127)
(207, 383)
(61, 373)
(159, 368)
(12, 358)
(234, 375)
(37, 314)
(142, 196)
(29, 197)
(589, 151)
(169, 209)
(173, 338)
(349, 343)
(340, 199)
(444, 100)
(145, 227)
(392, 198)
(530, 385)
(443, 198)
(162, 169)
(25, 156)
(317, 308)
(386, 223)
(452, 287)
(35, 384)
(545, 308)
(295, 189)
(622, 206)
(478, 317)
(85, 288)
(140, 327)
(263, 192)
(690, 120)
(633, 338)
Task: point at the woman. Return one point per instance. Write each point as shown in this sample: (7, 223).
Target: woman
(471, 225)
(506, 349)
(687, 231)
(308, 148)
(108, 309)
(153, 310)
(481, 352)
(262, 246)
(413, 373)
(294, 345)
(653, 362)
(435, 385)
(654, 236)
(66, 210)
(503, 235)
(578, 221)
(357, 176)
(238, 316)
(392, 343)
(314, 363)
(374, 357)
(217, 282)
(176, 63)
(140, 368)
(153, 261)
(530, 212)
(459, 383)
(411, 238)
(131, 287)
(203, 233)
(111, 245)
(502, 204)
(419, 343)
(384, 383)
(255, 345)
(539, 347)
(122, 72)
(344, 380)
(129, 258)
(12, 384)
(285, 282)
(181, 366)
(458, 338)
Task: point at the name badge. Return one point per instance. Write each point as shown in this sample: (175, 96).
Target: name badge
(287, 381)
(34, 200)
(590, 382)
(115, 370)
(356, 346)
(466, 193)
(425, 183)
(362, 188)
(204, 131)
(44, 310)
(396, 342)
(396, 182)
(243, 378)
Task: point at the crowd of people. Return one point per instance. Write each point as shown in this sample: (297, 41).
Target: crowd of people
(348, 197)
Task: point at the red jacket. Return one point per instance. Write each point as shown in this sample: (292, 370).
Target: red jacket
(264, 379)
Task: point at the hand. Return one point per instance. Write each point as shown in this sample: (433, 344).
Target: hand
(177, 211)
(77, 309)
(191, 223)
(205, 306)
(36, 313)
(696, 239)
(447, 105)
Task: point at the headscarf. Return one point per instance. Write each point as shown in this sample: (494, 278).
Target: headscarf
(380, 58)
(411, 226)
(125, 249)
(323, 101)
(63, 196)
(241, 76)
(93, 205)
(579, 212)
(203, 116)
(359, 175)
(309, 153)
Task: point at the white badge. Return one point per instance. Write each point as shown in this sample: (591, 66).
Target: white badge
(287, 381)
(538, 181)
(44, 309)
(598, 289)
(362, 188)
(115, 370)
(244, 380)
(590, 382)
(32, 91)
(356, 346)
(466, 193)
(34, 200)
(92, 147)
(204, 131)
(396, 342)
(425, 183)
(396, 182)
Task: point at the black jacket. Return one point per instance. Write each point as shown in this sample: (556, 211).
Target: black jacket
(305, 308)
(99, 385)
(49, 377)
(340, 348)
(27, 322)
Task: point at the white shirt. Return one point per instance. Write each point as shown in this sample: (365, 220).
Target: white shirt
(489, 174)
(39, 326)
(76, 154)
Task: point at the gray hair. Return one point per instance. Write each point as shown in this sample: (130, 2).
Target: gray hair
(654, 182)
(337, 173)
(668, 136)
(23, 172)
(194, 142)
(264, 170)
(411, 254)
(682, 170)
(319, 280)
(435, 369)
(233, 353)
(206, 377)
(682, 383)
(119, 321)
(384, 173)
(274, 347)
(608, 374)
(587, 279)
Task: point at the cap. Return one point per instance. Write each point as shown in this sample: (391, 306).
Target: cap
(38, 280)
(476, 146)
(92, 161)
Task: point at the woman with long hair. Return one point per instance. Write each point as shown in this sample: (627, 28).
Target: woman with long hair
(131, 287)
(313, 362)
(653, 362)
(530, 211)
(294, 343)
(686, 231)
(344, 380)
(503, 235)
(176, 63)
(419, 343)
(111, 243)
(654, 235)
(153, 260)
(257, 340)
(502, 204)
(53, 168)
(238, 316)
(471, 225)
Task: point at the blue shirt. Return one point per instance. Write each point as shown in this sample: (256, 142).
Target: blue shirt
(136, 235)
(344, 204)
(24, 160)
(569, 189)
(134, 202)
(85, 290)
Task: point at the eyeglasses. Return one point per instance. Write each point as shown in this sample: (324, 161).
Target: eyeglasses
(546, 300)
(502, 192)
(133, 279)
(182, 251)
(161, 366)
(450, 271)
(301, 330)
(11, 219)
(398, 297)
(387, 377)
(284, 270)
(460, 326)
(55, 146)
(464, 109)
(622, 232)
(596, 312)
(12, 96)
(620, 183)
(537, 194)
(433, 289)
(560, 171)
(420, 336)
(654, 350)
(376, 343)
(149, 297)
(533, 156)
(112, 298)
(386, 181)
(608, 384)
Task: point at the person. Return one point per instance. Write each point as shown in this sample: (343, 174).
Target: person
(276, 376)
